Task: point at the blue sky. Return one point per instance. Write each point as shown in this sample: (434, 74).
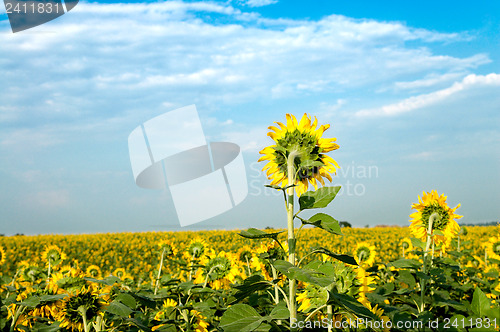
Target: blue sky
(411, 91)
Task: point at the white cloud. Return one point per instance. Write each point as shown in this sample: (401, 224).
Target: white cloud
(103, 68)
(50, 199)
(428, 81)
(260, 3)
(425, 100)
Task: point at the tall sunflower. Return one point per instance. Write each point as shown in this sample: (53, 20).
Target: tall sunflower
(444, 223)
(304, 139)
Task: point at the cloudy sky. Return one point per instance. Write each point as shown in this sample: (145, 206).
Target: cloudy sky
(411, 91)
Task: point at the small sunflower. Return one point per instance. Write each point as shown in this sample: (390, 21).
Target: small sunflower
(53, 255)
(2, 255)
(312, 297)
(94, 271)
(119, 272)
(196, 248)
(304, 139)
(167, 248)
(493, 247)
(265, 252)
(164, 313)
(365, 253)
(219, 271)
(406, 245)
(200, 324)
(445, 223)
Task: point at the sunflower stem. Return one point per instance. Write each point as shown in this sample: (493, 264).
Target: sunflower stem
(329, 312)
(159, 271)
(291, 236)
(48, 272)
(276, 292)
(83, 313)
(424, 267)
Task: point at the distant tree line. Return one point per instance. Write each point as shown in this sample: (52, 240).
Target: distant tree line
(491, 223)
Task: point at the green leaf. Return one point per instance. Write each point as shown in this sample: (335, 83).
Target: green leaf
(305, 275)
(319, 198)
(343, 258)
(127, 299)
(480, 303)
(406, 277)
(352, 305)
(118, 309)
(280, 311)
(241, 317)
(254, 233)
(47, 328)
(325, 222)
(52, 298)
(250, 286)
(417, 243)
(31, 302)
(406, 264)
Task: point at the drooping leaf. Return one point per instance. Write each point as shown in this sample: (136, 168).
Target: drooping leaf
(319, 198)
(254, 233)
(341, 257)
(250, 286)
(118, 309)
(352, 305)
(280, 311)
(324, 221)
(241, 317)
(305, 275)
(406, 264)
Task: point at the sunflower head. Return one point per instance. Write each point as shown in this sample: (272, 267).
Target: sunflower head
(301, 141)
(245, 254)
(84, 302)
(219, 271)
(493, 247)
(94, 271)
(53, 255)
(165, 311)
(200, 324)
(119, 272)
(406, 244)
(431, 204)
(2, 255)
(167, 248)
(197, 247)
(312, 297)
(365, 253)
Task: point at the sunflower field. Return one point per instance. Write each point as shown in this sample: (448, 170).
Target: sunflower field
(431, 276)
